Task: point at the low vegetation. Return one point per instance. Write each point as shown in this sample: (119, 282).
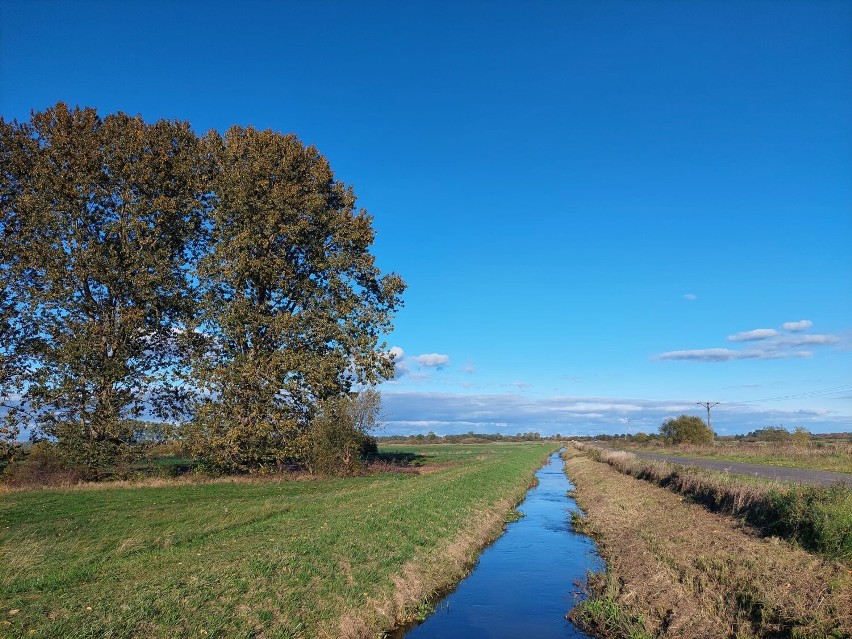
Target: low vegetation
(674, 569)
(254, 556)
(816, 517)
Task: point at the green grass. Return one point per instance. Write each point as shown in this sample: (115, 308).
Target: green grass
(602, 614)
(247, 559)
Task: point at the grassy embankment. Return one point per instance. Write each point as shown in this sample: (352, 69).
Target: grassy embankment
(253, 558)
(832, 456)
(674, 569)
(816, 517)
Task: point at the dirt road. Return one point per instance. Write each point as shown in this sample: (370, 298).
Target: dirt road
(802, 475)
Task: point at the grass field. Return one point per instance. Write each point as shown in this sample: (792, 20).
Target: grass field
(261, 558)
(835, 456)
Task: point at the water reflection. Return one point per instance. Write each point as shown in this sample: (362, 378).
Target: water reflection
(525, 582)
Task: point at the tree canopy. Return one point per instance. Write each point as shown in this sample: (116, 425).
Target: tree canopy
(686, 429)
(292, 303)
(224, 282)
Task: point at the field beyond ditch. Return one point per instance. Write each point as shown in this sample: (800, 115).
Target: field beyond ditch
(676, 570)
(257, 558)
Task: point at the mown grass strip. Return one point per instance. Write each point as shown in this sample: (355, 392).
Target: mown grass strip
(819, 518)
(248, 559)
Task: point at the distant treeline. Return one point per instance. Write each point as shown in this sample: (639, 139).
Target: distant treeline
(467, 438)
(769, 434)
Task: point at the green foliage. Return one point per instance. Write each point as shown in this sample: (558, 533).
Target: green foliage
(775, 434)
(126, 245)
(99, 217)
(602, 614)
(801, 437)
(686, 429)
(338, 440)
(819, 518)
(292, 303)
(9, 446)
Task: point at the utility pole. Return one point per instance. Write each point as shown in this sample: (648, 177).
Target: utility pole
(708, 406)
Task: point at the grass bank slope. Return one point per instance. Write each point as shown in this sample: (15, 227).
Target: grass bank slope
(676, 570)
(252, 559)
(818, 518)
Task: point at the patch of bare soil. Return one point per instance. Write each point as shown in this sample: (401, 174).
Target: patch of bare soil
(690, 573)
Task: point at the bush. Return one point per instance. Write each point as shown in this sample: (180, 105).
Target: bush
(686, 429)
(801, 437)
(338, 440)
(817, 517)
(775, 434)
(43, 466)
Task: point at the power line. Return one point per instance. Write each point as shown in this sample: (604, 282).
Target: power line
(815, 393)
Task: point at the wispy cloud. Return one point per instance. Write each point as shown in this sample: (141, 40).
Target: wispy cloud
(801, 325)
(727, 354)
(750, 336)
(808, 340)
(690, 297)
(769, 344)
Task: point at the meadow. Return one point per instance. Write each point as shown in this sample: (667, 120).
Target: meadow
(829, 455)
(261, 557)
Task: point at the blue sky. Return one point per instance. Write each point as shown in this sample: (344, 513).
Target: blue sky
(595, 204)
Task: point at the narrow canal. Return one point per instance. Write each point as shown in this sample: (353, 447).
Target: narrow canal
(524, 583)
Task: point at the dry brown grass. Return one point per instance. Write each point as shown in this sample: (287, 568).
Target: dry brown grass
(695, 574)
(816, 517)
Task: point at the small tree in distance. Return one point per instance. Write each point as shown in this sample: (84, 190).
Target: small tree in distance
(686, 429)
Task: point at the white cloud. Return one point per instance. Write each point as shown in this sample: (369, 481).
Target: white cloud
(768, 344)
(432, 360)
(690, 297)
(750, 336)
(400, 368)
(801, 325)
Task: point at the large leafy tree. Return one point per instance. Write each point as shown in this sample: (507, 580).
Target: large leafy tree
(293, 303)
(686, 429)
(100, 217)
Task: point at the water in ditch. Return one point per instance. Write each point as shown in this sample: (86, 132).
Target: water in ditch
(524, 583)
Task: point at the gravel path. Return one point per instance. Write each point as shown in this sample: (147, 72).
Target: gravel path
(802, 475)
